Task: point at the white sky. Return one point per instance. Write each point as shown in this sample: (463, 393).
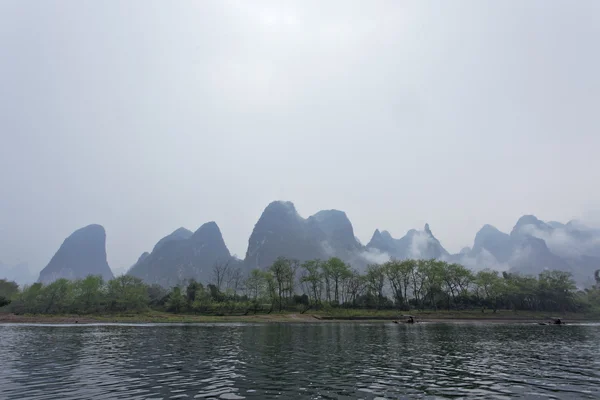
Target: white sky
(144, 116)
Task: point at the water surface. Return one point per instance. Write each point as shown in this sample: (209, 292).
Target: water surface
(299, 361)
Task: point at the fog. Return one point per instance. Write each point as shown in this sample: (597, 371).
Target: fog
(145, 116)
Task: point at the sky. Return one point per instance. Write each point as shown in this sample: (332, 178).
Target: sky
(144, 116)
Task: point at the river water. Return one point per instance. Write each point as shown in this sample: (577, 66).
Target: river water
(300, 361)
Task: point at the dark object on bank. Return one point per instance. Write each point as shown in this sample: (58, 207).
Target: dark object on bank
(410, 320)
(4, 301)
(555, 321)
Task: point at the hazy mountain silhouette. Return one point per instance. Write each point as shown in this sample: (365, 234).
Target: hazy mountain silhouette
(531, 247)
(83, 253)
(183, 255)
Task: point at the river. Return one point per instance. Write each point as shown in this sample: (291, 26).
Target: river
(299, 361)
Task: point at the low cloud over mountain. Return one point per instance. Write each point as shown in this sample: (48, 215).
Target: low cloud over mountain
(531, 247)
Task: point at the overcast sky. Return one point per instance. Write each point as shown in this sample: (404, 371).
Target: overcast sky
(145, 116)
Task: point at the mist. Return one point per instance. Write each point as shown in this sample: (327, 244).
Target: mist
(144, 116)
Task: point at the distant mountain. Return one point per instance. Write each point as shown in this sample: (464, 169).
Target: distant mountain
(497, 243)
(81, 254)
(19, 273)
(178, 234)
(415, 244)
(183, 255)
(534, 246)
(531, 247)
(281, 231)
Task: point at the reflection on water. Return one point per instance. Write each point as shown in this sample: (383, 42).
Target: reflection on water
(311, 361)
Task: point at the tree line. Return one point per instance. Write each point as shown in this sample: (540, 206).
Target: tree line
(312, 285)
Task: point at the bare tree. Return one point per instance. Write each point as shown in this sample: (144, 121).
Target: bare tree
(235, 280)
(220, 272)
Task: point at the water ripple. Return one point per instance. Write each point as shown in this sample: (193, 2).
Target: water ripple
(312, 361)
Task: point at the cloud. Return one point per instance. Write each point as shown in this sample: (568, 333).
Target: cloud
(564, 243)
(482, 260)
(374, 256)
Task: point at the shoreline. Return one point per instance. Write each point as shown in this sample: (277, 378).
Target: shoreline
(291, 318)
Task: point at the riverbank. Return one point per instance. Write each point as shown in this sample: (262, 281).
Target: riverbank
(290, 317)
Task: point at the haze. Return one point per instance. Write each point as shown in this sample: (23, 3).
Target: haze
(145, 116)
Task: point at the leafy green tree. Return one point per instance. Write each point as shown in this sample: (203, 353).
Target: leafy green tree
(157, 295)
(4, 301)
(399, 274)
(176, 301)
(337, 272)
(8, 289)
(57, 297)
(375, 279)
(29, 300)
(557, 290)
(355, 287)
(193, 290)
(281, 270)
(490, 287)
(256, 284)
(90, 294)
(313, 279)
(127, 293)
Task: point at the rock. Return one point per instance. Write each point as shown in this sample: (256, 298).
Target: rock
(81, 254)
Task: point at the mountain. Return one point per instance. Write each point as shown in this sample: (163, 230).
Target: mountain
(497, 243)
(532, 256)
(19, 273)
(415, 244)
(81, 254)
(534, 246)
(181, 256)
(178, 234)
(281, 231)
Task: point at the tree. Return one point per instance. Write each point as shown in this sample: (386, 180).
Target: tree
(489, 287)
(157, 295)
(235, 280)
(255, 284)
(398, 274)
(281, 271)
(4, 301)
(337, 272)
(29, 300)
(220, 272)
(557, 290)
(176, 301)
(313, 280)
(90, 294)
(8, 289)
(127, 293)
(192, 291)
(455, 279)
(355, 287)
(375, 278)
(57, 297)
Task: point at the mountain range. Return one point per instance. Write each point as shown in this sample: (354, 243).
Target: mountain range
(531, 247)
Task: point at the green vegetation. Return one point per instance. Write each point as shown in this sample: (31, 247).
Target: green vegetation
(328, 288)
